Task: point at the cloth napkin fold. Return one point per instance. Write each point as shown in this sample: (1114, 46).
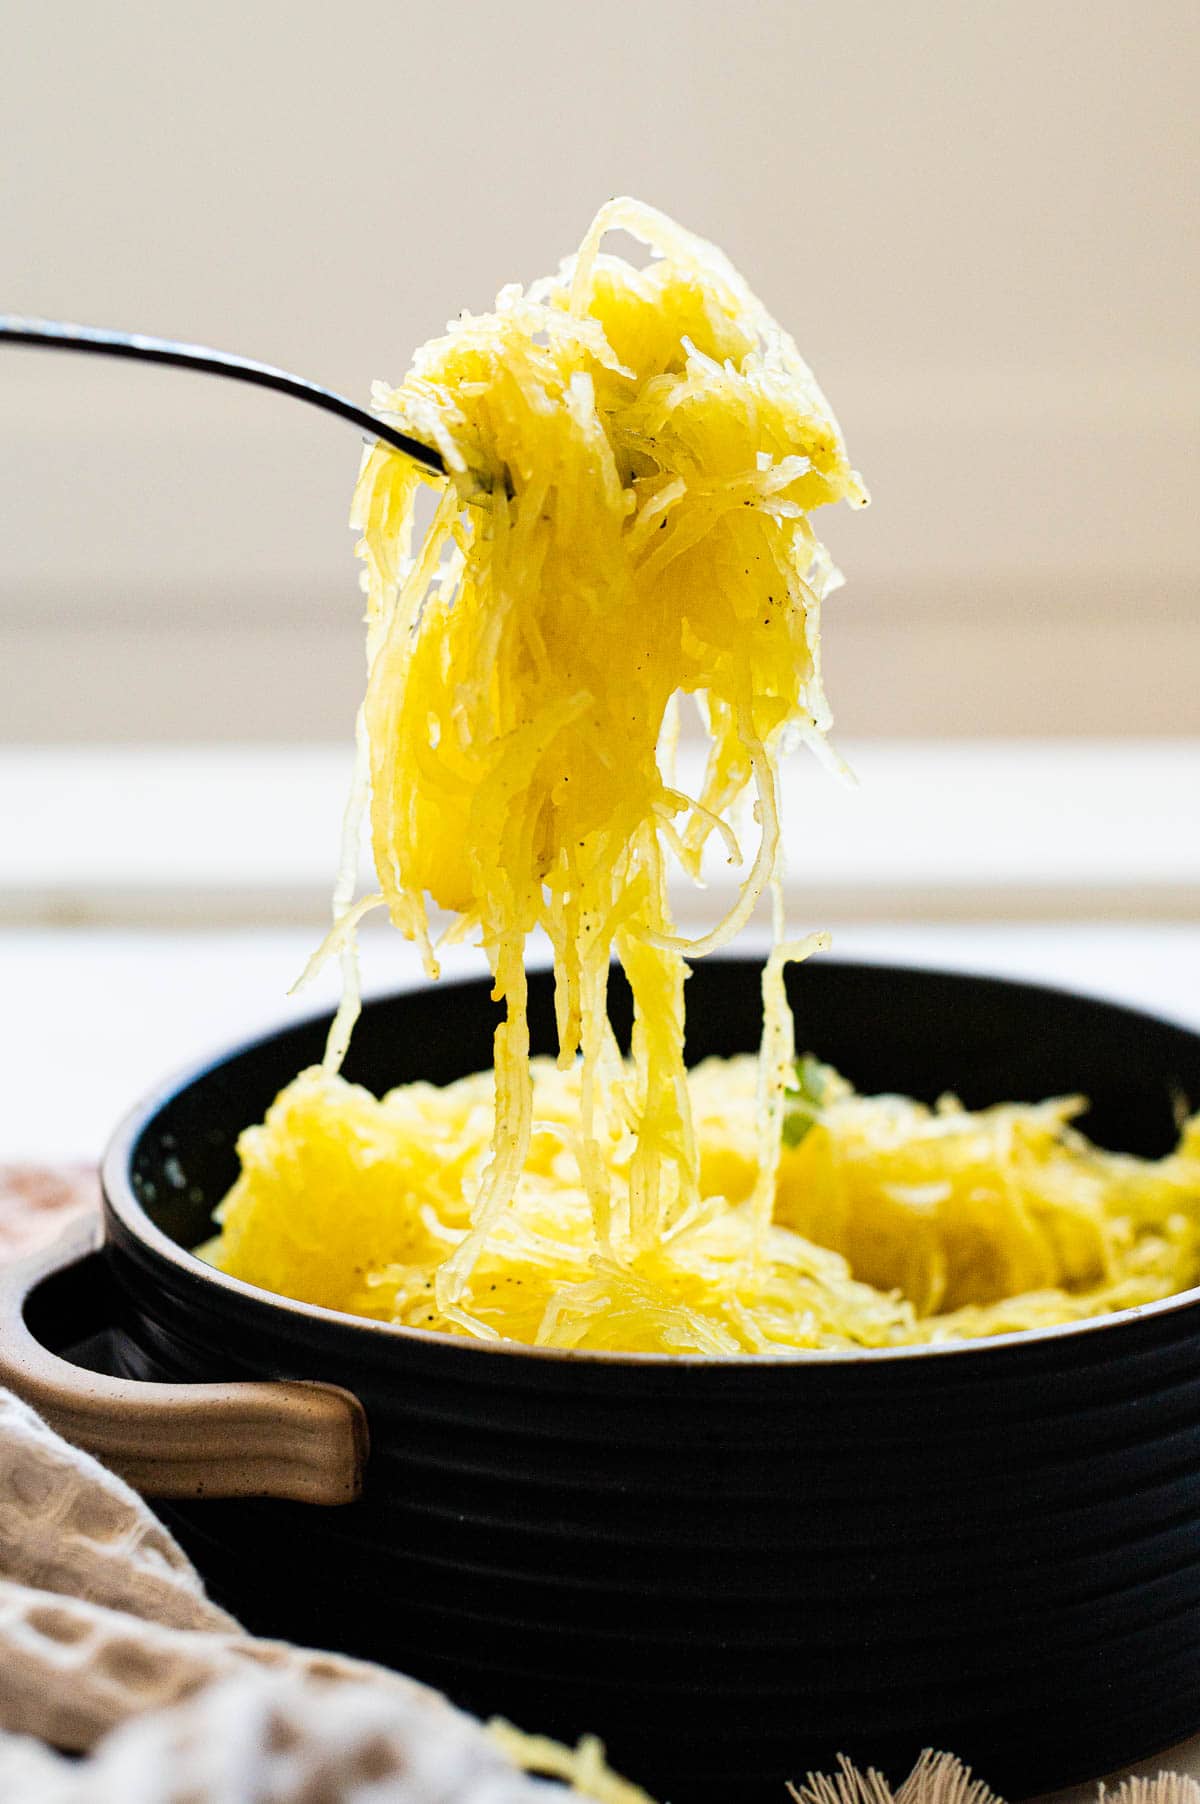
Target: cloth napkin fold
(109, 1646)
(37, 1202)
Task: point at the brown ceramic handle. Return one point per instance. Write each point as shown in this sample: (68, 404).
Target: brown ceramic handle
(306, 1442)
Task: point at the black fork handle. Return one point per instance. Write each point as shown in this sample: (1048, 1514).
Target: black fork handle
(59, 335)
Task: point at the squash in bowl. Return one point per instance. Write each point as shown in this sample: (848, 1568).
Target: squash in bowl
(731, 1568)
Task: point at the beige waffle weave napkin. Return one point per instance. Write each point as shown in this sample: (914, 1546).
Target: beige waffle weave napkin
(109, 1645)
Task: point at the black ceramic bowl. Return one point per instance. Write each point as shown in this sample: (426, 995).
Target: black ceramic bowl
(730, 1570)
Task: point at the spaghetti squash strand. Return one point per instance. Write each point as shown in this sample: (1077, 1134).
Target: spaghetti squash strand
(648, 449)
(654, 445)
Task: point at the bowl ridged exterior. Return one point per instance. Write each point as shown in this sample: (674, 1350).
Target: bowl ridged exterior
(729, 1570)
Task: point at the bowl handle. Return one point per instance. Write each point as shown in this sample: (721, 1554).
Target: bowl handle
(292, 1439)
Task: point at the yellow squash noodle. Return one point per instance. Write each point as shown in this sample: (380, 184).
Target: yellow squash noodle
(634, 455)
(891, 1223)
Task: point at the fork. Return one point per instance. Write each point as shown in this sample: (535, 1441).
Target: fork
(59, 335)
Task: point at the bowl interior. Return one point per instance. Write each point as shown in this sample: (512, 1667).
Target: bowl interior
(919, 1032)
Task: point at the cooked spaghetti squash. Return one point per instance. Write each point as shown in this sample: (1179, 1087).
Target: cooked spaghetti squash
(633, 458)
(892, 1223)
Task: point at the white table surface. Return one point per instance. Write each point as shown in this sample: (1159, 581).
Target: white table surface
(94, 1017)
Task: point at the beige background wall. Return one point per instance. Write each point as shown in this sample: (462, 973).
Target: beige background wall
(977, 216)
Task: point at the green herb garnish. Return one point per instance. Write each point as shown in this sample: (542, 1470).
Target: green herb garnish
(806, 1098)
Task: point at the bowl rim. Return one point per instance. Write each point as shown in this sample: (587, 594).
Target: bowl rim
(120, 1198)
